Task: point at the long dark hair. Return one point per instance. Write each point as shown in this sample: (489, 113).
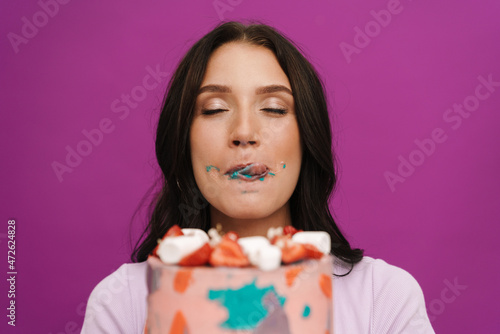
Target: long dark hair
(180, 201)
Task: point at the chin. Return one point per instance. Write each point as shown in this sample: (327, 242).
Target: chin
(247, 212)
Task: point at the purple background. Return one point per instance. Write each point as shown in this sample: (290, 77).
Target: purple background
(441, 224)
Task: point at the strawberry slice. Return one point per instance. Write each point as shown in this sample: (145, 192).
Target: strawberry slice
(312, 252)
(197, 258)
(293, 252)
(228, 253)
(289, 230)
(174, 231)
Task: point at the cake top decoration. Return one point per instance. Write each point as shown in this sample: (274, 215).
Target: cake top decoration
(195, 247)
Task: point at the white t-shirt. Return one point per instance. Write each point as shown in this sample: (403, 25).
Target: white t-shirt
(374, 297)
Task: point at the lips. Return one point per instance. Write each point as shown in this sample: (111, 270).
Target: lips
(248, 172)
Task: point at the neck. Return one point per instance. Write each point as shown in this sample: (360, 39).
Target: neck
(253, 226)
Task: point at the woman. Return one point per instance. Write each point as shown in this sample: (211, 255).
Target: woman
(245, 97)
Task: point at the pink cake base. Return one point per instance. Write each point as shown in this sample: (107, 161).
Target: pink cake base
(293, 299)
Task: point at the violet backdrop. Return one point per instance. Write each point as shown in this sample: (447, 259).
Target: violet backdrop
(418, 181)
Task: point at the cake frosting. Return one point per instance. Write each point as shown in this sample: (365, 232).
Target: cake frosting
(258, 294)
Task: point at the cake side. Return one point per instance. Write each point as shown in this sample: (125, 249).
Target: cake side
(294, 298)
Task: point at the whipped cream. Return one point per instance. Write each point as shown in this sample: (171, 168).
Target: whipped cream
(260, 252)
(319, 239)
(173, 249)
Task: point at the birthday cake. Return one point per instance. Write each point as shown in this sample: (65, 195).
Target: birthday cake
(205, 283)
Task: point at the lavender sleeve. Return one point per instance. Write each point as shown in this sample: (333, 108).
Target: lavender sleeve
(118, 303)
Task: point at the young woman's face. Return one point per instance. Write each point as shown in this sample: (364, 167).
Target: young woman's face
(245, 143)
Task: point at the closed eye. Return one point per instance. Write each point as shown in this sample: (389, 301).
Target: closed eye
(276, 110)
(212, 111)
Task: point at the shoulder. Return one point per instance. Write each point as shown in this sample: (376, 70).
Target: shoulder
(387, 278)
(383, 297)
(118, 303)
(378, 276)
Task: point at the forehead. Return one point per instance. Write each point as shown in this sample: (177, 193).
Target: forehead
(240, 63)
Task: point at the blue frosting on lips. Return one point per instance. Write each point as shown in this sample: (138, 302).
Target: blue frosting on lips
(233, 175)
(246, 173)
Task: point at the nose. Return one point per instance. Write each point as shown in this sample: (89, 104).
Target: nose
(243, 142)
(244, 131)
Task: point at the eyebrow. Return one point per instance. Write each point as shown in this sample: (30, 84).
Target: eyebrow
(260, 90)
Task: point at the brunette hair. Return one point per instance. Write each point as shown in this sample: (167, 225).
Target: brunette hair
(180, 201)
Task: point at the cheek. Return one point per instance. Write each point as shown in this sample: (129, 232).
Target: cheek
(294, 151)
(205, 141)
(289, 143)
